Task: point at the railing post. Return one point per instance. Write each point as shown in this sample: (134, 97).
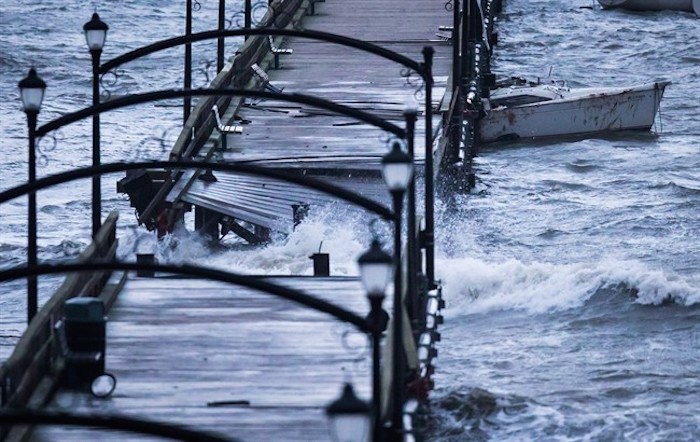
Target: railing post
(248, 15)
(220, 47)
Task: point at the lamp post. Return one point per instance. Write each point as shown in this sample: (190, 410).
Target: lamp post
(95, 36)
(375, 273)
(349, 417)
(397, 170)
(187, 101)
(31, 90)
(429, 232)
(410, 115)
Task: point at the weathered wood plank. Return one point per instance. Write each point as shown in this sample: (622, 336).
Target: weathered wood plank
(176, 345)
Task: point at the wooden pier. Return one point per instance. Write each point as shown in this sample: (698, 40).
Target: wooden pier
(305, 140)
(234, 361)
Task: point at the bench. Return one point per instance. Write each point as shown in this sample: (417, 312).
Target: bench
(265, 79)
(225, 131)
(444, 33)
(277, 51)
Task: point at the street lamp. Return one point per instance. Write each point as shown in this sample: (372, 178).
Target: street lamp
(375, 270)
(31, 90)
(397, 170)
(410, 114)
(348, 417)
(95, 36)
(95, 33)
(375, 273)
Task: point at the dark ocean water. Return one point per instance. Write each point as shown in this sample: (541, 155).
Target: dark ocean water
(48, 34)
(571, 277)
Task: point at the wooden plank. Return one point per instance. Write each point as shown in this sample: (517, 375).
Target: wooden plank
(176, 345)
(344, 75)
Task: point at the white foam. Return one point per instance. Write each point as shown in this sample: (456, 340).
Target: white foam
(474, 286)
(333, 230)
(290, 255)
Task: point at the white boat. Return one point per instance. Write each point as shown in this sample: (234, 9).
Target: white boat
(653, 5)
(549, 110)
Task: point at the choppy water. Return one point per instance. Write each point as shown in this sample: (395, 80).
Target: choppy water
(571, 278)
(48, 34)
(543, 338)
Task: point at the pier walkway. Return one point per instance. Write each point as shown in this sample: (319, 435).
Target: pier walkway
(331, 147)
(226, 359)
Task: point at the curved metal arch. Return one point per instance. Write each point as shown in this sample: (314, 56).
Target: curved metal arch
(177, 93)
(310, 34)
(248, 169)
(110, 421)
(251, 282)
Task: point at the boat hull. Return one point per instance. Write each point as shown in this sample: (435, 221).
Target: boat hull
(653, 5)
(632, 108)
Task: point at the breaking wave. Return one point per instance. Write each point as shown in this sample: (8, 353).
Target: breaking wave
(326, 230)
(476, 286)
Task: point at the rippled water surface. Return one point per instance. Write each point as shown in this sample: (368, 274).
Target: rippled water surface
(48, 34)
(572, 279)
(571, 276)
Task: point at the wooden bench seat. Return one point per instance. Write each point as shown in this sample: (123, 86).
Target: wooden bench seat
(276, 51)
(225, 131)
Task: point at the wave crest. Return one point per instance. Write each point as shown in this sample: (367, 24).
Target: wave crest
(475, 286)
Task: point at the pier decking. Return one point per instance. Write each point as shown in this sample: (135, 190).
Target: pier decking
(327, 146)
(181, 349)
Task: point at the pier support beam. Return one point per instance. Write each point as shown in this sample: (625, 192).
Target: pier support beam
(206, 222)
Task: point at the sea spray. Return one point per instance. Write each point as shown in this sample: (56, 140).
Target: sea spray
(332, 230)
